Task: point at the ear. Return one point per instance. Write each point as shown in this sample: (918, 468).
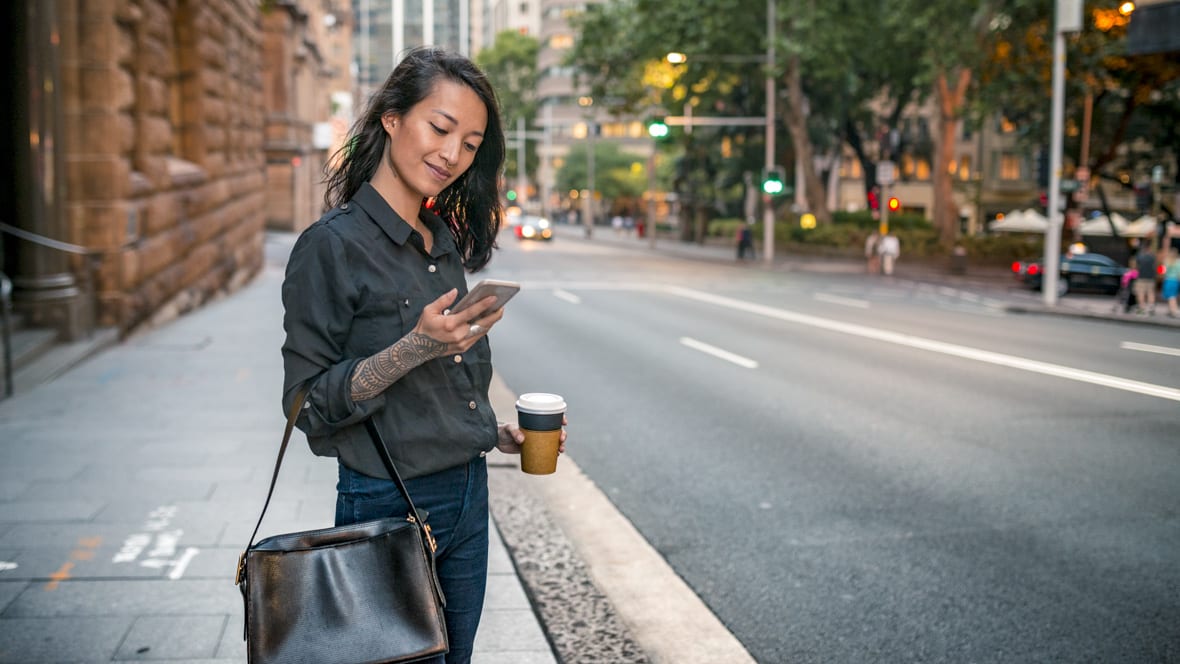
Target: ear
(389, 122)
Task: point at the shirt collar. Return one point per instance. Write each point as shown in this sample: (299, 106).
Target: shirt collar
(398, 230)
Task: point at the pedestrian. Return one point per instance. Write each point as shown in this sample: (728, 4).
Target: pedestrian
(1171, 287)
(890, 249)
(745, 241)
(413, 203)
(1125, 297)
(872, 259)
(1145, 263)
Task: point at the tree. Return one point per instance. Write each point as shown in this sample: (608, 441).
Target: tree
(511, 66)
(618, 175)
(1132, 101)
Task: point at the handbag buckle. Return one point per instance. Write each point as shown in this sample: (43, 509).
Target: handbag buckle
(430, 538)
(426, 529)
(241, 576)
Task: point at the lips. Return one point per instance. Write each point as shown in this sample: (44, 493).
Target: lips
(440, 173)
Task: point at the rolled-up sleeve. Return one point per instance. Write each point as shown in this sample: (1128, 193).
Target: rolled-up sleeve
(320, 298)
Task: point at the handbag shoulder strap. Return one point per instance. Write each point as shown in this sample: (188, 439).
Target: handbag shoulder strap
(382, 451)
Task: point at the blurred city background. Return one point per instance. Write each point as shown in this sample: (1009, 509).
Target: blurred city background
(151, 142)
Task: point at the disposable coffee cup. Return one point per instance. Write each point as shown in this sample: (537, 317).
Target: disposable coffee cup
(539, 416)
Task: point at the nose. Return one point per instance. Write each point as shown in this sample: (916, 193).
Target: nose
(450, 151)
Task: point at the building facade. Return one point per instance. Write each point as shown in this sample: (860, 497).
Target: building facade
(307, 88)
(139, 133)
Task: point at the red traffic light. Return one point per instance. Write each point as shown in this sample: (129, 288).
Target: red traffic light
(894, 204)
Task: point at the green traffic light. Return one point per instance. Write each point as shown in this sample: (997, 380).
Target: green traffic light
(772, 186)
(511, 194)
(657, 130)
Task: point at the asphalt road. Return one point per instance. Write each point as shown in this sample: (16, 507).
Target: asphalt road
(853, 469)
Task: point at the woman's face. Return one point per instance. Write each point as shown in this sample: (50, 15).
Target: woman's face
(436, 140)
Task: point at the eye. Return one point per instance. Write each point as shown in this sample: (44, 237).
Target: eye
(438, 130)
(470, 147)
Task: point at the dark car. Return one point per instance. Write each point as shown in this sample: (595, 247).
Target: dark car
(1090, 272)
(532, 227)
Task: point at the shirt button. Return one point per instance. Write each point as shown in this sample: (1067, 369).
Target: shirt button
(405, 303)
(306, 405)
(432, 268)
(471, 405)
(483, 454)
(344, 207)
(458, 359)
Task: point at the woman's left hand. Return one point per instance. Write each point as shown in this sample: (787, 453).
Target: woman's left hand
(511, 438)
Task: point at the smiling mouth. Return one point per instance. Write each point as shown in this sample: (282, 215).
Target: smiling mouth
(439, 173)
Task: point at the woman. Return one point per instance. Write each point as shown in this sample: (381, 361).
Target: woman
(1171, 287)
(414, 202)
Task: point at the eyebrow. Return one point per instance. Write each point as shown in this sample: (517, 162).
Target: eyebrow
(453, 120)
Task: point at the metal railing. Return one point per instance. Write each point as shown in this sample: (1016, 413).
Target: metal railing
(6, 289)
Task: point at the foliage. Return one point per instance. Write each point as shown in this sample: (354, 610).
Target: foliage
(511, 66)
(1136, 100)
(617, 174)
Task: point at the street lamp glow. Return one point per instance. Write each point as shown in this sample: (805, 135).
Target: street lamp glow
(1126, 8)
(676, 58)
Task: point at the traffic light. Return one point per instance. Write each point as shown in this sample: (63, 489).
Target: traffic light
(772, 181)
(874, 201)
(894, 204)
(657, 128)
(511, 195)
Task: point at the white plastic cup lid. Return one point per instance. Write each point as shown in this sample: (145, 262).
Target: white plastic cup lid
(540, 403)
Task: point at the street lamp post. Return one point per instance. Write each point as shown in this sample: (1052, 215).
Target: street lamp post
(767, 207)
(1068, 19)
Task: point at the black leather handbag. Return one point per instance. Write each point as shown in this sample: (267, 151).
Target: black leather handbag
(362, 593)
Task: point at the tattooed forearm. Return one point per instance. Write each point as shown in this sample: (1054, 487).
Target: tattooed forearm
(379, 371)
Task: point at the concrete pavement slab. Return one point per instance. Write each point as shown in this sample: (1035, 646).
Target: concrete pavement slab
(169, 638)
(72, 639)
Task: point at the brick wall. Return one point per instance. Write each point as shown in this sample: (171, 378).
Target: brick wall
(164, 158)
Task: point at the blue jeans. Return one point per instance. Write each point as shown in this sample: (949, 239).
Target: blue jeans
(457, 500)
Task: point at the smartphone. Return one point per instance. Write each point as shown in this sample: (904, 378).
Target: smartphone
(503, 290)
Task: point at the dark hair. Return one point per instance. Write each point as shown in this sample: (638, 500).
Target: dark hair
(470, 206)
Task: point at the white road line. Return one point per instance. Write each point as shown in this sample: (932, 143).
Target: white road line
(931, 345)
(846, 301)
(567, 296)
(182, 563)
(718, 352)
(1148, 348)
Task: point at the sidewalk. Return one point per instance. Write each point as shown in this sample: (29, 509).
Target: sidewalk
(996, 282)
(130, 485)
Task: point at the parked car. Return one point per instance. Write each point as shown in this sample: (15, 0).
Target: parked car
(1090, 272)
(532, 227)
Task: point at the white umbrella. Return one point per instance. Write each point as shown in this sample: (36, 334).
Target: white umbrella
(1020, 221)
(1101, 226)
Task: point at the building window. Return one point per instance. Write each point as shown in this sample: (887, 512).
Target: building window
(1010, 167)
(561, 42)
(965, 167)
(524, 8)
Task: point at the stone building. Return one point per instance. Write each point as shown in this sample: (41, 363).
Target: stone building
(137, 137)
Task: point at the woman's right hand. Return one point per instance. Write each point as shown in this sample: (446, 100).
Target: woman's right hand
(458, 332)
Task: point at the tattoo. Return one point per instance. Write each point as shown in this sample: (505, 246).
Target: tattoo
(386, 367)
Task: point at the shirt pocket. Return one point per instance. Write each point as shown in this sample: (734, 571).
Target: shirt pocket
(384, 318)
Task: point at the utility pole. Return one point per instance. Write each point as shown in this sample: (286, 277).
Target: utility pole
(1068, 19)
(767, 203)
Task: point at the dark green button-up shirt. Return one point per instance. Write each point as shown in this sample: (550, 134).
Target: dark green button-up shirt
(356, 282)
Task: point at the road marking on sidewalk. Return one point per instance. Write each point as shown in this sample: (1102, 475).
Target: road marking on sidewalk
(719, 352)
(5, 566)
(1148, 348)
(182, 563)
(955, 350)
(567, 296)
(845, 301)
